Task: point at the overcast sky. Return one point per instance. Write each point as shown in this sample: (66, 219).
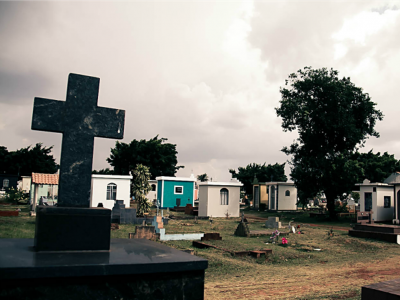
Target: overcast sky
(206, 75)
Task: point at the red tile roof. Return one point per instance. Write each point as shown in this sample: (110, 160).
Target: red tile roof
(45, 178)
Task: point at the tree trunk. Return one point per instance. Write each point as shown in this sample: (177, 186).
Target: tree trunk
(330, 199)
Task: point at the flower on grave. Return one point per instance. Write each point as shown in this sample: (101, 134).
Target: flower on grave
(284, 241)
(299, 232)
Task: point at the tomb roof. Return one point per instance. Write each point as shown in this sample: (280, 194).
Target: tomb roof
(41, 178)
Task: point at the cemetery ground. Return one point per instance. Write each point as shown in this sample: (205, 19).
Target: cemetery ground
(297, 271)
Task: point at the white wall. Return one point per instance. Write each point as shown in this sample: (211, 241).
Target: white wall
(203, 200)
(152, 194)
(379, 212)
(287, 202)
(99, 189)
(210, 200)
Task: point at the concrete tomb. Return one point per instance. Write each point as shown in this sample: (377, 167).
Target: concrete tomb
(273, 222)
(72, 255)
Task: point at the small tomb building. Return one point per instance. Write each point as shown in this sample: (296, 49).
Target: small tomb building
(219, 199)
(282, 196)
(378, 198)
(175, 191)
(108, 188)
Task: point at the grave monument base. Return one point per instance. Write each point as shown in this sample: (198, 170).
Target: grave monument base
(72, 229)
(388, 233)
(132, 269)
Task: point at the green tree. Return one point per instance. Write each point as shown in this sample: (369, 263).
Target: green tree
(376, 167)
(103, 171)
(160, 157)
(262, 172)
(140, 188)
(24, 161)
(202, 177)
(333, 118)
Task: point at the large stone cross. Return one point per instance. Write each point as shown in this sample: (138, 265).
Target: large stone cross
(79, 119)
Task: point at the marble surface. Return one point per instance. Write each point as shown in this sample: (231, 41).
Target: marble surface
(18, 260)
(79, 119)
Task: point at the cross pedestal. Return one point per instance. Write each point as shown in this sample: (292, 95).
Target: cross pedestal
(73, 257)
(73, 225)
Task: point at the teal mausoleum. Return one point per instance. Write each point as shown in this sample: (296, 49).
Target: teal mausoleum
(175, 191)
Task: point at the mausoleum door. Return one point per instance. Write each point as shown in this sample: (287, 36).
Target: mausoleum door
(367, 201)
(256, 197)
(273, 197)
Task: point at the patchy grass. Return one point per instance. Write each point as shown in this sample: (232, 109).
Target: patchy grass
(298, 271)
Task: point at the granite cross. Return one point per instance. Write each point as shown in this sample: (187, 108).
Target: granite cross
(79, 119)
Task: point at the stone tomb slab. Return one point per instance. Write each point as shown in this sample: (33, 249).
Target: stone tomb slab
(387, 290)
(72, 228)
(133, 269)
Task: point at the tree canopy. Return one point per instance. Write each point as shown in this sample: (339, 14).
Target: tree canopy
(262, 172)
(202, 177)
(160, 157)
(27, 160)
(376, 167)
(333, 118)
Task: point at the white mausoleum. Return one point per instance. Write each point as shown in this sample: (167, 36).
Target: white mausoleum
(108, 188)
(217, 199)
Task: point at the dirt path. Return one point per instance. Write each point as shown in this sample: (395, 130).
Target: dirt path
(306, 282)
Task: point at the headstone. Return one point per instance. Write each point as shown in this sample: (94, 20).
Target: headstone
(128, 216)
(273, 222)
(129, 269)
(79, 119)
(116, 211)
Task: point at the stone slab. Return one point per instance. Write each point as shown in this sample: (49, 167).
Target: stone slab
(68, 228)
(132, 269)
(387, 290)
(378, 228)
(19, 261)
(388, 237)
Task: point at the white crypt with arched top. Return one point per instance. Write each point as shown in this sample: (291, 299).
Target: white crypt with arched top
(108, 188)
(219, 199)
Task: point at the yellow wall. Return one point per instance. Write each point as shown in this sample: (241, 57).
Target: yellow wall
(264, 195)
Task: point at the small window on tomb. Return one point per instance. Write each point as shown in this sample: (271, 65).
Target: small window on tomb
(178, 189)
(386, 201)
(111, 191)
(6, 183)
(153, 187)
(287, 193)
(224, 193)
(374, 189)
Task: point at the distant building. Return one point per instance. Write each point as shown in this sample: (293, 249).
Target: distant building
(8, 181)
(282, 196)
(378, 198)
(26, 183)
(152, 195)
(219, 199)
(175, 191)
(108, 188)
(44, 187)
(260, 194)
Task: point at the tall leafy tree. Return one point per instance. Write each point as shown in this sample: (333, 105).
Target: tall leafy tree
(140, 188)
(333, 118)
(202, 177)
(376, 167)
(24, 161)
(160, 157)
(262, 172)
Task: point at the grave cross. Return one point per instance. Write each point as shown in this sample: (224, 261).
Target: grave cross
(79, 119)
